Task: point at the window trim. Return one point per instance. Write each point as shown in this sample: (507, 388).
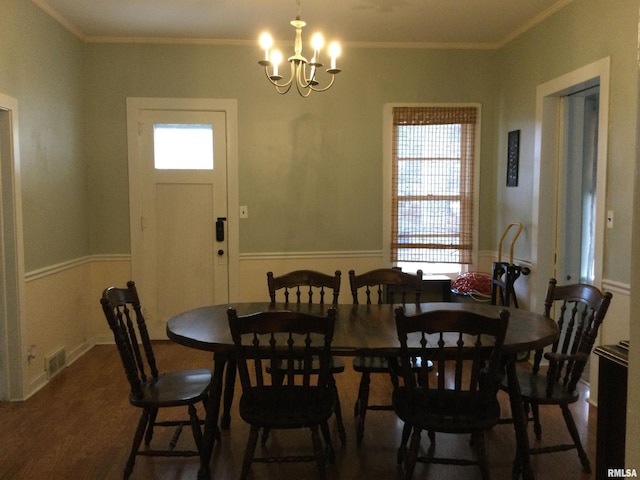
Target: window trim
(387, 169)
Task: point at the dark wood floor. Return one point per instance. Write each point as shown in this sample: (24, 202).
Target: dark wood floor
(80, 427)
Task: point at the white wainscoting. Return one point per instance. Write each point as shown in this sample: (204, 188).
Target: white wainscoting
(62, 310)
(254, 268)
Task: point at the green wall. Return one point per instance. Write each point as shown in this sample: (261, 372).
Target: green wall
(41, 66)
(310, 168)
(579, 34)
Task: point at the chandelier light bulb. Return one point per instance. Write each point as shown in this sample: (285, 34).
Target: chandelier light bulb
(276, 59)
(266, 42)
(334, 52)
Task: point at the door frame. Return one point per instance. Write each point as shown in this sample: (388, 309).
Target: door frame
(230, 108)
(12, 283)
(548, 154)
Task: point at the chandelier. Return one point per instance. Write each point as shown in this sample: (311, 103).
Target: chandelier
(303, 72)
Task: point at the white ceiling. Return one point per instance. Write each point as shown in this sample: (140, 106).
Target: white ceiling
(451, 23)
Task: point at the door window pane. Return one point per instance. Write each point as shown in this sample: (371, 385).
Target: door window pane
(183, 147)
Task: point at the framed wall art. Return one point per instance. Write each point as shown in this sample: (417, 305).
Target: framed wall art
(513, 158)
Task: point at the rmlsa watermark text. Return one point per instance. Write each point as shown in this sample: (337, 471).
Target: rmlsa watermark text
(622, 473)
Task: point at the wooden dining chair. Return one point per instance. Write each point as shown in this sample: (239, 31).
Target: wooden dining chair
(579, 310)
(306, 399)
(456, 390)
(305, 286)
(150, 389)
(385, 285)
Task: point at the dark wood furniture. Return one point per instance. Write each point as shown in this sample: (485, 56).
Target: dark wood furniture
(359, 330)
(435, 288)
(151, 390)
(456, 391)
(612, 407)
(305, 286)
(306, 399)
(385, 285)
(309, 286)
(579, 310)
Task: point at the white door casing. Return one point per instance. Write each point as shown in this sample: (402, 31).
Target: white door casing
(547, 152)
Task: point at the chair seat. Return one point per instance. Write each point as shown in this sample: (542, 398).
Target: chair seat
(464, 415)
(172, 389)
(286, 407)
(533, 388)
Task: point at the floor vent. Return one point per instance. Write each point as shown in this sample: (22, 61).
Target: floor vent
(55, 362)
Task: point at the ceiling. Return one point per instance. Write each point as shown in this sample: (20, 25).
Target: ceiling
(448, 23)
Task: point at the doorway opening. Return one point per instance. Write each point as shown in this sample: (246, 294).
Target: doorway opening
(578, 175)
(11, 255)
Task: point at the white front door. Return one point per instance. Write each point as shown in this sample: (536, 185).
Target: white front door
(179, 234)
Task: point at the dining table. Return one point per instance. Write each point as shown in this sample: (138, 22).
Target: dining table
(359, 330)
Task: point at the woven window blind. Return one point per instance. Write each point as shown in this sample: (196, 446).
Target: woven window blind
(432, 193)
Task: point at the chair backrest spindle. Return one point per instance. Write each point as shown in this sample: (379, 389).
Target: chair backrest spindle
(288, 339)
(122, 309)
(579, 311)
(304, 283)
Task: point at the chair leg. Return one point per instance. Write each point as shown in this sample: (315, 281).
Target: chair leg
(406, 433)
(481, 452)
(363, 403)
(265, 436)
(229, 387)
(338, 413)
(324, 427)
(317, 450)
(571, 426)
(137, 440)
(249, 451)
(195, 427)
(412, 454)
(537, 428)
(356, 406)
(153, 414)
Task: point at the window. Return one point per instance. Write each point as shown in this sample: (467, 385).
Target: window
(433, 150)
(183, 146)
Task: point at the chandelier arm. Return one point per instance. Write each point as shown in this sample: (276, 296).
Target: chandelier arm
(301, 76)
(303, 91)
(285, 91)
(275, 82)
(323, 89)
